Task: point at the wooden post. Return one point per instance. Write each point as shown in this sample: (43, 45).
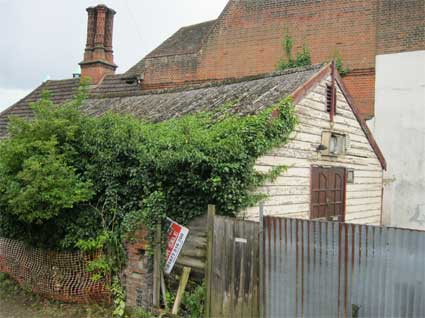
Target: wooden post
(164, 291)
(180, 291)
(208, 268)
(157, 267)
(261, 260)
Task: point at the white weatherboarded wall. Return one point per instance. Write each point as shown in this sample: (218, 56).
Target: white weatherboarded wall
(289, 194)
(399, 128)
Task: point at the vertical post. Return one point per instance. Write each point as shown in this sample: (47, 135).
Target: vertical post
(208, 268)
(157, 267)
(261, 260)
(164, 291)
(182, 286)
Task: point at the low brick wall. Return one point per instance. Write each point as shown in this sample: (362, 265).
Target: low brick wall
(138, 275)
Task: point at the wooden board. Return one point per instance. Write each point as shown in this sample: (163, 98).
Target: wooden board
(235, 269)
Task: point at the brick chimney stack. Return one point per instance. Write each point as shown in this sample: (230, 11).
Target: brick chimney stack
(98, 56)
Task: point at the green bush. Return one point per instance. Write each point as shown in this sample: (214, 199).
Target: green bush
(194, 302)
(66, 178)
(71, 181)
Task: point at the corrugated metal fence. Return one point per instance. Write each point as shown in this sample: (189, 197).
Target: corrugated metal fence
(325, 269)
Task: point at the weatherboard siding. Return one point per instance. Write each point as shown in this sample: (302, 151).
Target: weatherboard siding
(289, 194)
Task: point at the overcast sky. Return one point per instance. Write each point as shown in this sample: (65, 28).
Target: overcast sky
(45, 39)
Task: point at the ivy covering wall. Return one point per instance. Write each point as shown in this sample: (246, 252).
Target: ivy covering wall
(68, 180)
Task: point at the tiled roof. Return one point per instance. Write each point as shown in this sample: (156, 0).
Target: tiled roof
(185, 41)
(61, 91)
(116, 85)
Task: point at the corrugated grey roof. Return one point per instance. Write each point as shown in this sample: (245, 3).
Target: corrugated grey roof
(249, 95)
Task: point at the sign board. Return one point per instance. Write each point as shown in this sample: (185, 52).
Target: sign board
(176, 237)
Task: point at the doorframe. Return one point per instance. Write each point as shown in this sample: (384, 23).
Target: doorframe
(344, 192)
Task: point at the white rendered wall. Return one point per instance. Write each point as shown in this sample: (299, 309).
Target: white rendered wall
(399, 128)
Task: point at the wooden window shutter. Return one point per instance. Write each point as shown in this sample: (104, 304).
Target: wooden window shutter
(330, 99)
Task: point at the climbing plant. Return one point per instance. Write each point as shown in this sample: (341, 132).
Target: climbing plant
(71, 181)
(66, 177)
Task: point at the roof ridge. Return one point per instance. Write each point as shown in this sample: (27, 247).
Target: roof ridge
(217, 82)
(184, 28)
(196, 24)
(63, 80)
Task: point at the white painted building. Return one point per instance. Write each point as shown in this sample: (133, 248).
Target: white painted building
(399, 127)
(340, 180)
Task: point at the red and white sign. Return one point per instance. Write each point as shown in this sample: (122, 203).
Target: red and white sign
(176, 237)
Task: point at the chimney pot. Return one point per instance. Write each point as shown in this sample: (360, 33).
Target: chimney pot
(98, 56)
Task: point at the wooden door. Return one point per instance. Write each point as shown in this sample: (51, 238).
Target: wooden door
(328, 193)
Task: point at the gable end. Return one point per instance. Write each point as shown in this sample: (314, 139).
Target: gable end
(302, 91)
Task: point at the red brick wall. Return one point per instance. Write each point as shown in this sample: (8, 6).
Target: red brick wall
(138, 273)
(247, 40)
(170, 69)
(401, 26)
(361, 85)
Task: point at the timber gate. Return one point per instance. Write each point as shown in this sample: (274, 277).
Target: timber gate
(326, 269)
(234, 269)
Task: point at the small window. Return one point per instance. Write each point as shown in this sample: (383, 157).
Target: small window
(336, 144)
(329, 92)
(333, 144)
(350, 175)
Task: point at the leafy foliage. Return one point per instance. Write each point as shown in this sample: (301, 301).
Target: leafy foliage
(194, 301)
(68, 180)
(67, 177)
(119, 298)
(302, 58)
(342, 70)
(37, 179)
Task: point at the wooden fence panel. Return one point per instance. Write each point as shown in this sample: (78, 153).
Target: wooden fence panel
(193, 254)
(235, 268)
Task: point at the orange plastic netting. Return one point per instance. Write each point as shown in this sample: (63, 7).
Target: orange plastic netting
(56, 275)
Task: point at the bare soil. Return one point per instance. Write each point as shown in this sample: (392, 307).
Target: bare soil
(16, 303)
